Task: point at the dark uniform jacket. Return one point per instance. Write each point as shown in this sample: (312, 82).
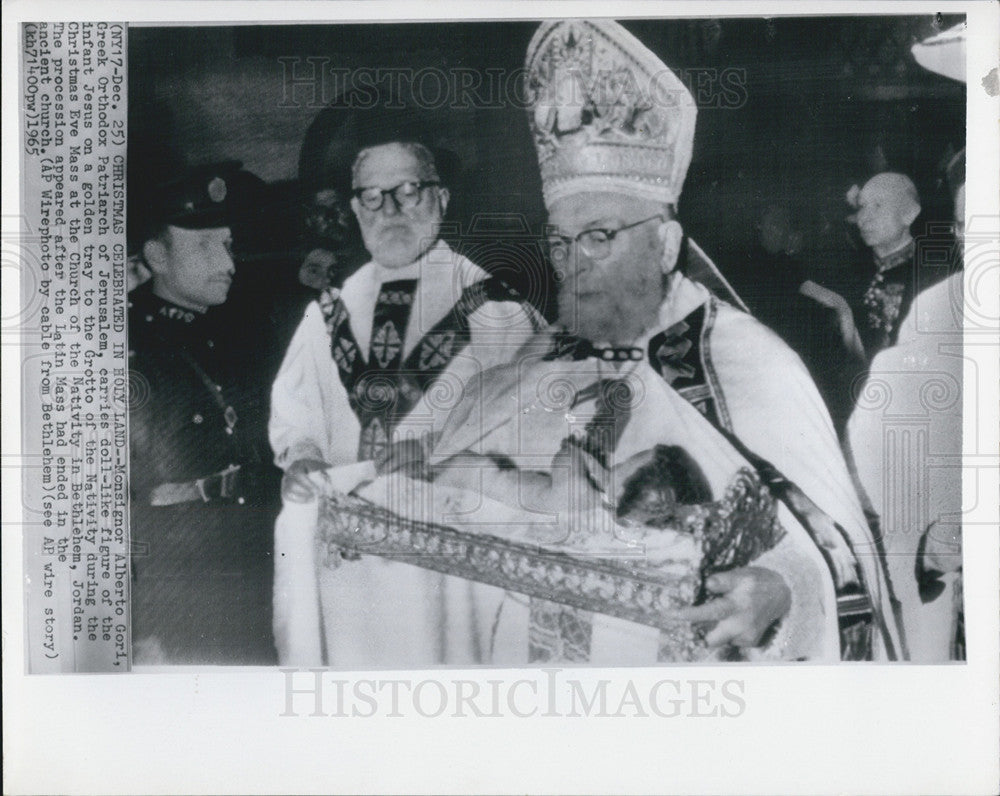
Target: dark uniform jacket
(887, 300)
(899, 278)
(201, 542)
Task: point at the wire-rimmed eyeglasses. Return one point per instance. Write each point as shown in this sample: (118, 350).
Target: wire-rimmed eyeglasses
(406, 195)
(595, 243)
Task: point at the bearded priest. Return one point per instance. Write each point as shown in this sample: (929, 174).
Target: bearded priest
(650, 385)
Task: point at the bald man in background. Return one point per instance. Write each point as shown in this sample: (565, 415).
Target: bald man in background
(887, 205)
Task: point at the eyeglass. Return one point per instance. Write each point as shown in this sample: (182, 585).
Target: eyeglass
(406, 195)
(595, 243)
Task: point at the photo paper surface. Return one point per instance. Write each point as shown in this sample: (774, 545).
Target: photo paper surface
(518, 373)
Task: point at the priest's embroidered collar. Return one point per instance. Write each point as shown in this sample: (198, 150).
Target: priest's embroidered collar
(566, 345)
(901, 255)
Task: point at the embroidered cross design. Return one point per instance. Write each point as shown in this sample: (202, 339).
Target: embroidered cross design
(386, 344)
(398, 298)
(436, 349)
(409, 389)
(374, 393)
(344, 353)
(373, 440)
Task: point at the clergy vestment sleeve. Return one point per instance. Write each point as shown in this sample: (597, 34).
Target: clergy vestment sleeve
(497, 331)
(310, 415)
(806, 632)
(776, 411)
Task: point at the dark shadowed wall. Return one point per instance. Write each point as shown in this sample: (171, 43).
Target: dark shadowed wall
(791, 111)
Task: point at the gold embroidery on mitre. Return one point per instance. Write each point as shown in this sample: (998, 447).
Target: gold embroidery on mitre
(606, 113)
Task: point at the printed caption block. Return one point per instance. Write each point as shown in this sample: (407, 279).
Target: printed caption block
(73, 339)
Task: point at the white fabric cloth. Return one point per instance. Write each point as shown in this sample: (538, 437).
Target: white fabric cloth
(296, 618)
(774, 408)
(376, 613)
(777, 412)
(310, 414)
(660, 416)
(905, 436)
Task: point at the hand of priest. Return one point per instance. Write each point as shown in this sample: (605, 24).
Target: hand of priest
(407, 456)
(750, 600)
(304, 480)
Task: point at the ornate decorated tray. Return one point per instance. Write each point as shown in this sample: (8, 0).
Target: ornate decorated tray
(639, 587)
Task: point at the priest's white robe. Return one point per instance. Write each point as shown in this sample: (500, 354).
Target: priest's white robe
(767, 400)
(905, 436)
(376, 613)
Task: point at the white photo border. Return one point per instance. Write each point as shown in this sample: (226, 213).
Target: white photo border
(803, 729)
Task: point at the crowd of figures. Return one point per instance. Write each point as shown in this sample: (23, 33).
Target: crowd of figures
(250, 382)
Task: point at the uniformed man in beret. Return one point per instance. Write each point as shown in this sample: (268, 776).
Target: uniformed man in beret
(200, 519)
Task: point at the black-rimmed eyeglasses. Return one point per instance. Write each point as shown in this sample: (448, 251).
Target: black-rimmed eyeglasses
(406, 195)
(595, 243)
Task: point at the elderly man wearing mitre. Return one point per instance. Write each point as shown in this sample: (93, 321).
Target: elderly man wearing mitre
(652, 394)
(418, 317)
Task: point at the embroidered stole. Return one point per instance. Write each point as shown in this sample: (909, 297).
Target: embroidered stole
(383, 390)
(681, 354)
(558, 632)
(561, 633)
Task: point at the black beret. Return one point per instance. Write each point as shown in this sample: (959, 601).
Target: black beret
(198, 198)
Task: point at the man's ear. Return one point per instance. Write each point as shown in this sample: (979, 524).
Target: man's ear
(444, 195)
(356, 207)
(154, 252)
(671, 235)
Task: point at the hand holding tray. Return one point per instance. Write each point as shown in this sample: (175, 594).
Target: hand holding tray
(642, 581)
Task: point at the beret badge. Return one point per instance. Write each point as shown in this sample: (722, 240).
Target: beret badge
(217, 190)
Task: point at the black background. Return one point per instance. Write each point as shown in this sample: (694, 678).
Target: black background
(811, 106)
